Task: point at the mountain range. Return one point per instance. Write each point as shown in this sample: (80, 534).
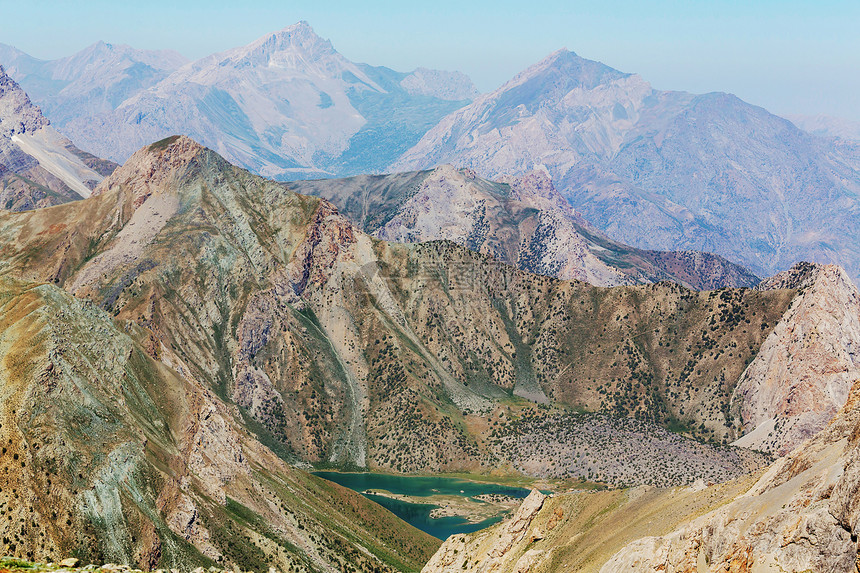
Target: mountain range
(182, 339)
(522, 221)
(663, 170)
(287, 105)
(658, 170)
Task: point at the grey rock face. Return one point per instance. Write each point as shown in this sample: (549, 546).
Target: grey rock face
(804, 371)
(17, 114)
(663, 170)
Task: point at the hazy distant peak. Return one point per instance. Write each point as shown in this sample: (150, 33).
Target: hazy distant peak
(91, 62)
(571, 69)
(299, 37)
(827, 126)
(295, 49)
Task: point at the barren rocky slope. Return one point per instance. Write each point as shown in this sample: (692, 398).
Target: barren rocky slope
(38, 166)
(802, 515)
(663, 170)
(805, 369)
(522, 221)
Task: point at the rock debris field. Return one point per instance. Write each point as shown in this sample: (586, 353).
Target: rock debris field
(598, 447)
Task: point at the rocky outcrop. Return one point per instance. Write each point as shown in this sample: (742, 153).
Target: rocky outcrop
(806, 367)
(802, 515)
(458, 552)
(17, 114)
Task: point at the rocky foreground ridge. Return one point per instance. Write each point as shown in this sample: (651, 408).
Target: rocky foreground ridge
(74, 565)
(801, 514)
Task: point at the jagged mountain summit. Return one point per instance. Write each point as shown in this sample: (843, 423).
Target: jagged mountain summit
(286, 105)
(159, 332)
(38, 166)
(663, 170)
(522, 221)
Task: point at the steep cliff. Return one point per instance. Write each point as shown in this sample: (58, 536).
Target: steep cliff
(802, 375)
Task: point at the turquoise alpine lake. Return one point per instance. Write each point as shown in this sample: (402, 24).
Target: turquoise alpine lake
(418, 514)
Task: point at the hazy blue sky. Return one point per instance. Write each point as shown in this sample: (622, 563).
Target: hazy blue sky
(788, 56)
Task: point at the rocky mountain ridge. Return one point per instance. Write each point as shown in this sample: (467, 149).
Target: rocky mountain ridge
(807, 366)
(38, 166)
(662, 170)
(522, 221)
(294, 261)
(238, 313)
